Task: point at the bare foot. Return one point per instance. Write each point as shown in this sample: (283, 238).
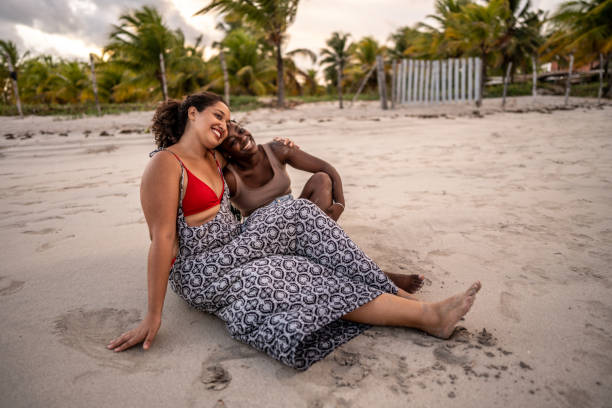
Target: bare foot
(410, 283)
(441, 317)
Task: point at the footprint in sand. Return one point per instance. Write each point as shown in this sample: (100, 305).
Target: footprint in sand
(233, 352)
(112, 195)
(446, 355)
(349, 370)
(9, 286)
(506, 299)
(215, 377)
(535, 271)
(101, 149)
(88, 332)
(43, 231)
(48, 245)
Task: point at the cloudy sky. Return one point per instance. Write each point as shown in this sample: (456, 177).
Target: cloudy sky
(74, 28)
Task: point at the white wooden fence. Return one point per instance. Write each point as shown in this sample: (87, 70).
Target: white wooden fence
(436, 81)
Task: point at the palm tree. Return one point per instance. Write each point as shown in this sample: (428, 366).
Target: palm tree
(139, 40)
(522, 36)
(429, 41)
(70, 83)
(37, 75)
(364, 53)
(311, 82)
(336, 56)
(273, 17)
(584, 28)
(293, 73)
(248, 66)
(10, 56)
(409, 42)
(186, 67)
(477, 29)
(219, 45)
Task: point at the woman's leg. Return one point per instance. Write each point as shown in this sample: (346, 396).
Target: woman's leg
(438, 319)
(318, 189)
(299, 227)
(409, 283)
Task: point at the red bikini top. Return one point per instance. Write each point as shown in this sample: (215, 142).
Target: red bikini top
(198, 195)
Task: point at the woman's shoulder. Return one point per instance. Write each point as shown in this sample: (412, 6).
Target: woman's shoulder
(163, 162)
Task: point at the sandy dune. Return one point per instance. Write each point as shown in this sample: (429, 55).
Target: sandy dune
(521, 200)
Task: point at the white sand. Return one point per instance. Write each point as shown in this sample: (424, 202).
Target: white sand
(522, 202)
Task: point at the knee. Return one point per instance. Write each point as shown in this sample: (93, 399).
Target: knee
(322, 181)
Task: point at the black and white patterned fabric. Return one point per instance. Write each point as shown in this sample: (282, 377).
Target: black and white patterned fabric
(281, 281)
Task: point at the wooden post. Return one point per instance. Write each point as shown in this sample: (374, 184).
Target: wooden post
(418, 70)
(393, 83)
(382, 85)
(226, 86)
(339, 83)
(420, 77)
(463, 79)
(363, 82)
(450, 80)
(456, 80)
(506, 79)
(470, 76)
(443, 78)
(410, 77)
(403, 80)
(94, 84)
(162, 66)
(13, 75)
(534, 80)
(437, 81)
(427, 66)
(568, 84)
(477, 81)
(601, 68)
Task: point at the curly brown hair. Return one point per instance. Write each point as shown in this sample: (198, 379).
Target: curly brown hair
(170, 117)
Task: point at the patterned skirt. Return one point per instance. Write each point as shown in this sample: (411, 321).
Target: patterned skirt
(281, 281)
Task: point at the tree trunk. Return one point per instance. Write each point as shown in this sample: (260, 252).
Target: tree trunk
(382, 84)
(600, 90)
(280, 81)
(339, 85)
(226, 86)
(94, 84)
(162, 67)
(483, 79)
(13, 75)
(568, 84)
(393, 83)
(534, 81)
(363, 82)
(506, 80)
(607, 91)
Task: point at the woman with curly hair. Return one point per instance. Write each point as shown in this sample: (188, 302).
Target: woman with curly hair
(288, 282)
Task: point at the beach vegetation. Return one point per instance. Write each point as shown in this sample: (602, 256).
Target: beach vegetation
(335, 58)
(145, 60)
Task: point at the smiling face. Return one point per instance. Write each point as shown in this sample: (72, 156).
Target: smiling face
(239, 141)
(210, 125)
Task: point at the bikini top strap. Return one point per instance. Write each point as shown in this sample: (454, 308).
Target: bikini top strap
(181, 181)
(217, 161)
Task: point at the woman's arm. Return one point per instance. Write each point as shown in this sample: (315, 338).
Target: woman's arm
(159, 195)
(303, 161)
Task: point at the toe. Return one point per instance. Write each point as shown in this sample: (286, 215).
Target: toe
(474, 288)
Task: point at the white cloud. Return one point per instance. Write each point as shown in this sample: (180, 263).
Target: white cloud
(82, 6)
(73, 28)
(55, 44)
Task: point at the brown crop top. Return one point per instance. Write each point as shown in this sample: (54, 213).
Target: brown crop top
(248, 199)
